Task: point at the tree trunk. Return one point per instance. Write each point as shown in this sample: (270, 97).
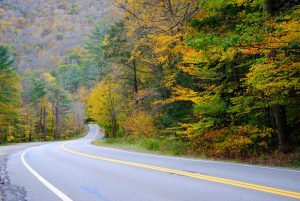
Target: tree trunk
(40, 121)
(45, 124)
(273, 7)
(269, 7)
(23, 135)
(114, 122)
(282, 128)
(57, 121)
(135, 82)
(113, 118)
(30, 130)
(53, 120)
(114, 127)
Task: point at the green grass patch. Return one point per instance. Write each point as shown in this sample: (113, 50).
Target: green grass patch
(173, 147)
(121, 143)
(165, 146)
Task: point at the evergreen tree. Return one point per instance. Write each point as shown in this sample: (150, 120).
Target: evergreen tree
(9, 97)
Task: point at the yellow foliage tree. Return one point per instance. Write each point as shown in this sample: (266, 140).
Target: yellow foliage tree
(105, 105)
(140, 123)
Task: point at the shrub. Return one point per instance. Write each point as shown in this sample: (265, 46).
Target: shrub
(151, 144)
(140, 123)
(178, 148)
(232, 142)
(173, 146)
(233, 146)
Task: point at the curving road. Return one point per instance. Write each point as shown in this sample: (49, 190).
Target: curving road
(78, 171)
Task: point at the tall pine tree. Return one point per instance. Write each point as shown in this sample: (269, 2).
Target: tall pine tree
(9, 96)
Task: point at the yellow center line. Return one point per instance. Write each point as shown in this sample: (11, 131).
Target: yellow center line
(193, 175)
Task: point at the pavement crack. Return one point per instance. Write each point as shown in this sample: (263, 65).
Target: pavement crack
(8, 191)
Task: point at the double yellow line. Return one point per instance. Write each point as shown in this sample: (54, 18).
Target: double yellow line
(189, 174)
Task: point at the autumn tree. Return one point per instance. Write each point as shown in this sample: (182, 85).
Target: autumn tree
(213, 68)
(105, 105)
(239, 58)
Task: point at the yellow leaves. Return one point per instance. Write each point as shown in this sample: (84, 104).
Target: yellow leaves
(242, 14)
(240, 2)
(202, 14)
(18, 30)
(183, 94)
(193, 56)
(273, 43)
(228, 54)
(247, 3)
(140, 123)
(105, 41)
(80, 52)
(286, 32)
(289, 30)
(169, 79)
(273, 79)
(105, 101)
(49, 78)
(10, 136)
(163, 42)
(4, 24)
(251, 51)
(272, 40)
(164, 48)
(191, 70)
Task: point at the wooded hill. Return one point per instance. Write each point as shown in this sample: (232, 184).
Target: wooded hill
(36, 99)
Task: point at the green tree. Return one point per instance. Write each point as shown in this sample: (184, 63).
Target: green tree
(9, 97)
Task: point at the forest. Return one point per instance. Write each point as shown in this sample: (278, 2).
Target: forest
(217, 79)
(38, 98)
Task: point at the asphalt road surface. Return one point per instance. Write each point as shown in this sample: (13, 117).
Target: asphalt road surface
(79, 171)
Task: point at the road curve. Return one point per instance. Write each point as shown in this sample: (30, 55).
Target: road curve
(78, 171)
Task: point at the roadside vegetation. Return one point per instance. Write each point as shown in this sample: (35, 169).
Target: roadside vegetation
(218, 79)
(173, 147)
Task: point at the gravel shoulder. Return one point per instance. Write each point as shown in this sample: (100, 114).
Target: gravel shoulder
(8, 191)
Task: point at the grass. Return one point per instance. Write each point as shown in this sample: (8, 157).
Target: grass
(167, 147)
(124, 144)
(171, 147)
(3, 144)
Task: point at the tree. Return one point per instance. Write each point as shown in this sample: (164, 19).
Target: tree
(276, 76)
(9, 97)
(248, 62)
(119, 49)
(105, 105)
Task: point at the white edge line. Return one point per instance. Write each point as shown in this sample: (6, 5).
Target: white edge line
(56, 191)
(198, 160)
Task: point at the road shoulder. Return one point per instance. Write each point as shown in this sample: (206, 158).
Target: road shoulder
(9, 191)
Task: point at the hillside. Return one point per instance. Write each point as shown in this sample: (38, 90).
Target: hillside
(42, 32)
(38, 36)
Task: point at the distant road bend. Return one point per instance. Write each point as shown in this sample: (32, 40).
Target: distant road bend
(79, 171)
